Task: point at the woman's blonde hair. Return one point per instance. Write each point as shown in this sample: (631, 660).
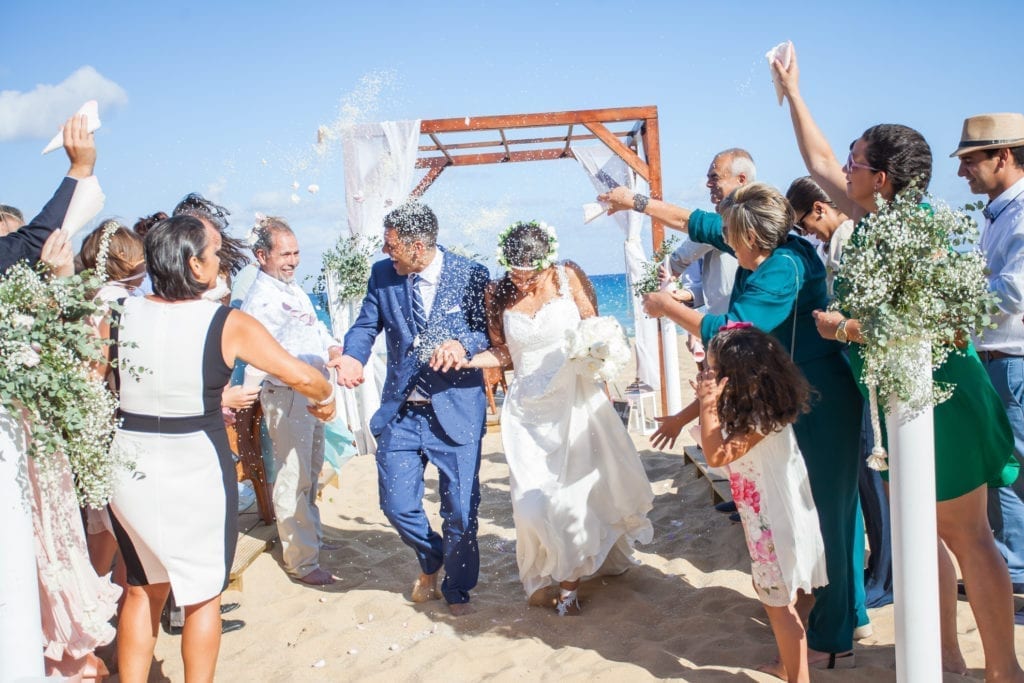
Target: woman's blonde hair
(757, 215)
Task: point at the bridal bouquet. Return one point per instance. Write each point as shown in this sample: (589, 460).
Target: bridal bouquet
(46, 349)
(598, 348)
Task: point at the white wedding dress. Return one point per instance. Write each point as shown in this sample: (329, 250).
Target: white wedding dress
(580, 496)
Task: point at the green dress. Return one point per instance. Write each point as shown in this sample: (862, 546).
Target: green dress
(973, 439)
(779, 297)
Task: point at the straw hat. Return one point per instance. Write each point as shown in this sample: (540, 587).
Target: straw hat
(991, 131)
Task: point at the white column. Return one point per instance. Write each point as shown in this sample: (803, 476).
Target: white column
(914, 539)
(21, 651)
(670, 371)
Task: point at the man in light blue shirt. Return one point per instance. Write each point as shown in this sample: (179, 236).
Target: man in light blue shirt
(991, 153)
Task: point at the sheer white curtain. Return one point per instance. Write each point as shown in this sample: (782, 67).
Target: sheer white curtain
(21, 654)
(607, 170)
(380, 160)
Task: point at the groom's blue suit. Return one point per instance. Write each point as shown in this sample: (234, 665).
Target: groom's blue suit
(445, 432)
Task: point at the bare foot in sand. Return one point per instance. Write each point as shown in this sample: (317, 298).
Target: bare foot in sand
(425, 588)
(459, 609)
(773, 668)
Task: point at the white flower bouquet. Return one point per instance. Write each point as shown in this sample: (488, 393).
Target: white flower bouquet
(598, 348)
(912, 276)
(47, 348)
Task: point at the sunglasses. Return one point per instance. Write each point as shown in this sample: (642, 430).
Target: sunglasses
(852, 165)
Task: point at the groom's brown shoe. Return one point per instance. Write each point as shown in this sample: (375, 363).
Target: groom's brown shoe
(425, 588)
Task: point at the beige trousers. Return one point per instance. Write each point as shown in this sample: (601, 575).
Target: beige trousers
(298, 443)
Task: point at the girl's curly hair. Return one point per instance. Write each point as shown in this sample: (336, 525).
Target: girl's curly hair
(766, 391)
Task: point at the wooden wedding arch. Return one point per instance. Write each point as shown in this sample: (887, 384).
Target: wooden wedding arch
(543, 136)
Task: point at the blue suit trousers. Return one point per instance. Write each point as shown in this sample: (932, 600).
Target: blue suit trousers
(405, 446)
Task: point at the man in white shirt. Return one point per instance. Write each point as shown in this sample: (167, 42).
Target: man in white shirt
(730, 169)
(991, 153)
(298, 438)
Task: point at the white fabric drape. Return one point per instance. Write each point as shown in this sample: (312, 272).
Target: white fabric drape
(607, 170)
(380, 160)
(21, 652)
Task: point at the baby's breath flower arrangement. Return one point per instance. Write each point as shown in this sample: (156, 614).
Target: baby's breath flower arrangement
(47, 349)
(349, 261)
(649, 281)
(911, 275)
(510, 261)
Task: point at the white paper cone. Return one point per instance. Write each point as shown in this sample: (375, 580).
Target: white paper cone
(784, 53)
(91, 110)
(87, 201)
(592, 210)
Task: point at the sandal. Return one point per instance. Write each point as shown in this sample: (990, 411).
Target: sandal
(568, 604)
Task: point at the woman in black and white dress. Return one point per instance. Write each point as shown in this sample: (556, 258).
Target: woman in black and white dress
(175, 515)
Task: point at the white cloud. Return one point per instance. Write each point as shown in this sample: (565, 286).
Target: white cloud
(41, 111)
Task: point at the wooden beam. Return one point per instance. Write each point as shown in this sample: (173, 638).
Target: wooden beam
(427, 181)
(504, 141)
(440, 147)
(539, 120)
(625, 153)
(651, 137)
(569, 138)
(517, 141)
(492, 158)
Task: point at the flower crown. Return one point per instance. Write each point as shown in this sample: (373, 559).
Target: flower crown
(103, 251)
(538, 264)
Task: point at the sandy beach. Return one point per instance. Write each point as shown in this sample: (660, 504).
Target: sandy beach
(686, 612)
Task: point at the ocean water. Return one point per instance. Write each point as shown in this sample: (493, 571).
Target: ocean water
(612, 299)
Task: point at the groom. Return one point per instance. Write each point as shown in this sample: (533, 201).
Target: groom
(430, 304)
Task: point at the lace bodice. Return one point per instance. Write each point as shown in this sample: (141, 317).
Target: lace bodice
(537, 343)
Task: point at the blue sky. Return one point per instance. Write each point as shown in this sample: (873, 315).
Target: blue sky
(226, 98)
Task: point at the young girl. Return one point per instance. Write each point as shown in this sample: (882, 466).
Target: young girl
(750, 395)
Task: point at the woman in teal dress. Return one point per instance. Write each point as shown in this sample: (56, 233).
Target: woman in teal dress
(779, 284)
(973, 441)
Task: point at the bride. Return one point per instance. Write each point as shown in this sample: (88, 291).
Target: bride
(580, 495)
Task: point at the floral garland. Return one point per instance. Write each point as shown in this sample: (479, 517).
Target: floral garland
(348, 263)
(649, 281)
(539, 263)
(48, 348)
(911, 275)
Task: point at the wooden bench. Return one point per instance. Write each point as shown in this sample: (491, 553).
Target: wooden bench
(720, 491)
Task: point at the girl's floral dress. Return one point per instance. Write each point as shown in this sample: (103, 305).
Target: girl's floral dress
(780, 522)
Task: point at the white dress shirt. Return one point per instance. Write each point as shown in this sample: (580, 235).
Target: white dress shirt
(288, 314)
(426, 284)
(1002, 242)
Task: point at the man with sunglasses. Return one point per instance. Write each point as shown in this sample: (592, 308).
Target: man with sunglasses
(991, 154)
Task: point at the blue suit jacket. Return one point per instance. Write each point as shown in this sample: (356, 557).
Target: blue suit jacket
(27, 241)
(457, 313)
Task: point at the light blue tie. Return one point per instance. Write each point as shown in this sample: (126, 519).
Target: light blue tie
(419, 317)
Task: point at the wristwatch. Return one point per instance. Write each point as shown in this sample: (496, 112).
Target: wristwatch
(640, 202)
(841, 331)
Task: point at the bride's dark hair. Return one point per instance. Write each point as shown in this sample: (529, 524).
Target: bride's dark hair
(522, 245)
